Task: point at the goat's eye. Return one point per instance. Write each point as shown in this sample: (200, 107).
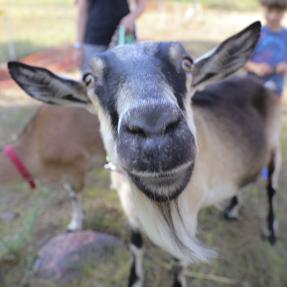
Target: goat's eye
(89, 80)
(187, 64)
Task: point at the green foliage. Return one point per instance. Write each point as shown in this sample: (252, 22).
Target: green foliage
(11, 248)
(27, 270)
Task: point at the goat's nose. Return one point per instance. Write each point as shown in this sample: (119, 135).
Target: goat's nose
(150, 122)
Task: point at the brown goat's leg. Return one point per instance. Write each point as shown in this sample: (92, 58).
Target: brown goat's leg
(136, 247)
(178, 272)
(272, 187)
(77, 219)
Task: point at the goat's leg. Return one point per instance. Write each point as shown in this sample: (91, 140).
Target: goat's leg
(272, 187)
(136, 273)
(77, 219)
(231, 212)
(178, 273)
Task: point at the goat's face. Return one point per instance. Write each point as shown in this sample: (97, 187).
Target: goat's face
(142, 95)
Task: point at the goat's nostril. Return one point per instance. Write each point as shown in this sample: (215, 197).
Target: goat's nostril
(136, 130)
(147, 130)
(171, 126)
(152, 123)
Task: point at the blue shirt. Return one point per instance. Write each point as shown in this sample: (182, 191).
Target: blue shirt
(272, 49)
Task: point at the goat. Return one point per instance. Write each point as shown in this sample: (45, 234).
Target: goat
(56, 148)
(173, 157)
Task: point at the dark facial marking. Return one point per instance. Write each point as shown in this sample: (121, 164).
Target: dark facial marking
(173, 72)
(107, 88)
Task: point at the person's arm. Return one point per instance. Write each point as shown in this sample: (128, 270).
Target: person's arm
(260, 69)
(281, 68)
(82, 15)
(129, 20)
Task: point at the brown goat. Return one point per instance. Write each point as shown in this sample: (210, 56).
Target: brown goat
(58, 145)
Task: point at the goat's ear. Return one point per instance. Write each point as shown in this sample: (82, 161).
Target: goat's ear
(227, 58)
(47, 87)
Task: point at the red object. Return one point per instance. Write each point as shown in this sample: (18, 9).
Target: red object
(20, 166)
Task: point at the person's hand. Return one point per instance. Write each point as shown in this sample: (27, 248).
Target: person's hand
(128, 22)
(281, 68)
(262, 69)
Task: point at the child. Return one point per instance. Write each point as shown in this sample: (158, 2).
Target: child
(269, 61)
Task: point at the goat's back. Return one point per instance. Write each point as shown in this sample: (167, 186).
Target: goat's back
(238, 128)
(63, 135)
(237, 93)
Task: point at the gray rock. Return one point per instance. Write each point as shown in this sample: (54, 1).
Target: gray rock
(63, 257)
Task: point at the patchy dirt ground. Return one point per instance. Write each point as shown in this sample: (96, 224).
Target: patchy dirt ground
(245, 260)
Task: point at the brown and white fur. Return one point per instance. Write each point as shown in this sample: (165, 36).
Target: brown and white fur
(176, 151)
(58, 145)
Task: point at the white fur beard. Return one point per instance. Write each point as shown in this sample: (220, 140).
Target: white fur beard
(147, 216)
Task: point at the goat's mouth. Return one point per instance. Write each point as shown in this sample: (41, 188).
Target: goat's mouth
(163, 186)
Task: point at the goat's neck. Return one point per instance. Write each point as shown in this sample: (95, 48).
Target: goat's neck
(8, 171)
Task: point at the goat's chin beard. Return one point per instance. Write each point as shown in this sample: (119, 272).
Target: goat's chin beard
(162, 187)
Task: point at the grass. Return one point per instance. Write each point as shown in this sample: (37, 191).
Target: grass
(243, 256)
(11, 247)
(17, 250)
